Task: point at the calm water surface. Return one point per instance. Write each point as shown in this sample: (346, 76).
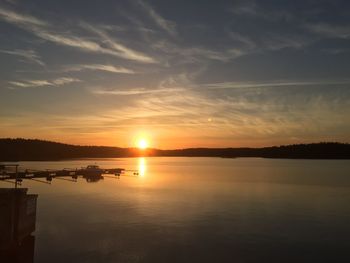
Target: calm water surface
(196, 210)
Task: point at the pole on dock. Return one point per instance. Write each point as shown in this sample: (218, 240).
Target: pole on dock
(16, 176)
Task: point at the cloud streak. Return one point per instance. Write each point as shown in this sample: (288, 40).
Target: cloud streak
(42, 30)
(330, 31)
(242, 85)
(20, 19)
(41, 83)
(118, 48)
(100, 67)
(166, 25)
(29, 55)
(130, 92)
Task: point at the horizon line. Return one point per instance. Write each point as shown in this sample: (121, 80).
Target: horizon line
(174, 149)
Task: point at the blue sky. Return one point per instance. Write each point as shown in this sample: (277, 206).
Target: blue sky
(179, 73)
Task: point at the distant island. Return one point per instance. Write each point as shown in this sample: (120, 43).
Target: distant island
(39, 150)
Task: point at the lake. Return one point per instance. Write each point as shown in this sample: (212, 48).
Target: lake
(195, 210)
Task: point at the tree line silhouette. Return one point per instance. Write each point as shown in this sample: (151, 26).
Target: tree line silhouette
(39, 150)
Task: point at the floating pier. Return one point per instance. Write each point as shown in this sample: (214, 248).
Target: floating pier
(92, 173)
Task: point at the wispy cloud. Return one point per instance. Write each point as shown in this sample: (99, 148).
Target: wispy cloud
(269, 41)
(331, 31)
(196, 53)
(41, 83)
(64, 80)
(29, 55)
(115, 48)
(100, 67)
(20, 19)
(44, 31)
(136, 91)
(118, 48)
(240, 45)
(252, 9)
(167, 25)
(242, 85)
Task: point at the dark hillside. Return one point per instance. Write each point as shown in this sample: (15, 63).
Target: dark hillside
(31, 150)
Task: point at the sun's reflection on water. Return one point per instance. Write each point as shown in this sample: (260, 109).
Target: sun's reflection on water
(142, 166)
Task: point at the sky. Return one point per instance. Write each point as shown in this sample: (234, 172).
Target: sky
(175, 73)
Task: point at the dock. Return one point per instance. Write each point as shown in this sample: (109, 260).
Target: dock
(18, 208)
(92, 173)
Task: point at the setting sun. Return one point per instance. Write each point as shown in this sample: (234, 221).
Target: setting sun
(142, 144)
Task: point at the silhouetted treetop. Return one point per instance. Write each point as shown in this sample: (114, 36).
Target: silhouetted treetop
(29, 150)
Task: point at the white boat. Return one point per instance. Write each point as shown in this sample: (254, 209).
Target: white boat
(91, 170)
